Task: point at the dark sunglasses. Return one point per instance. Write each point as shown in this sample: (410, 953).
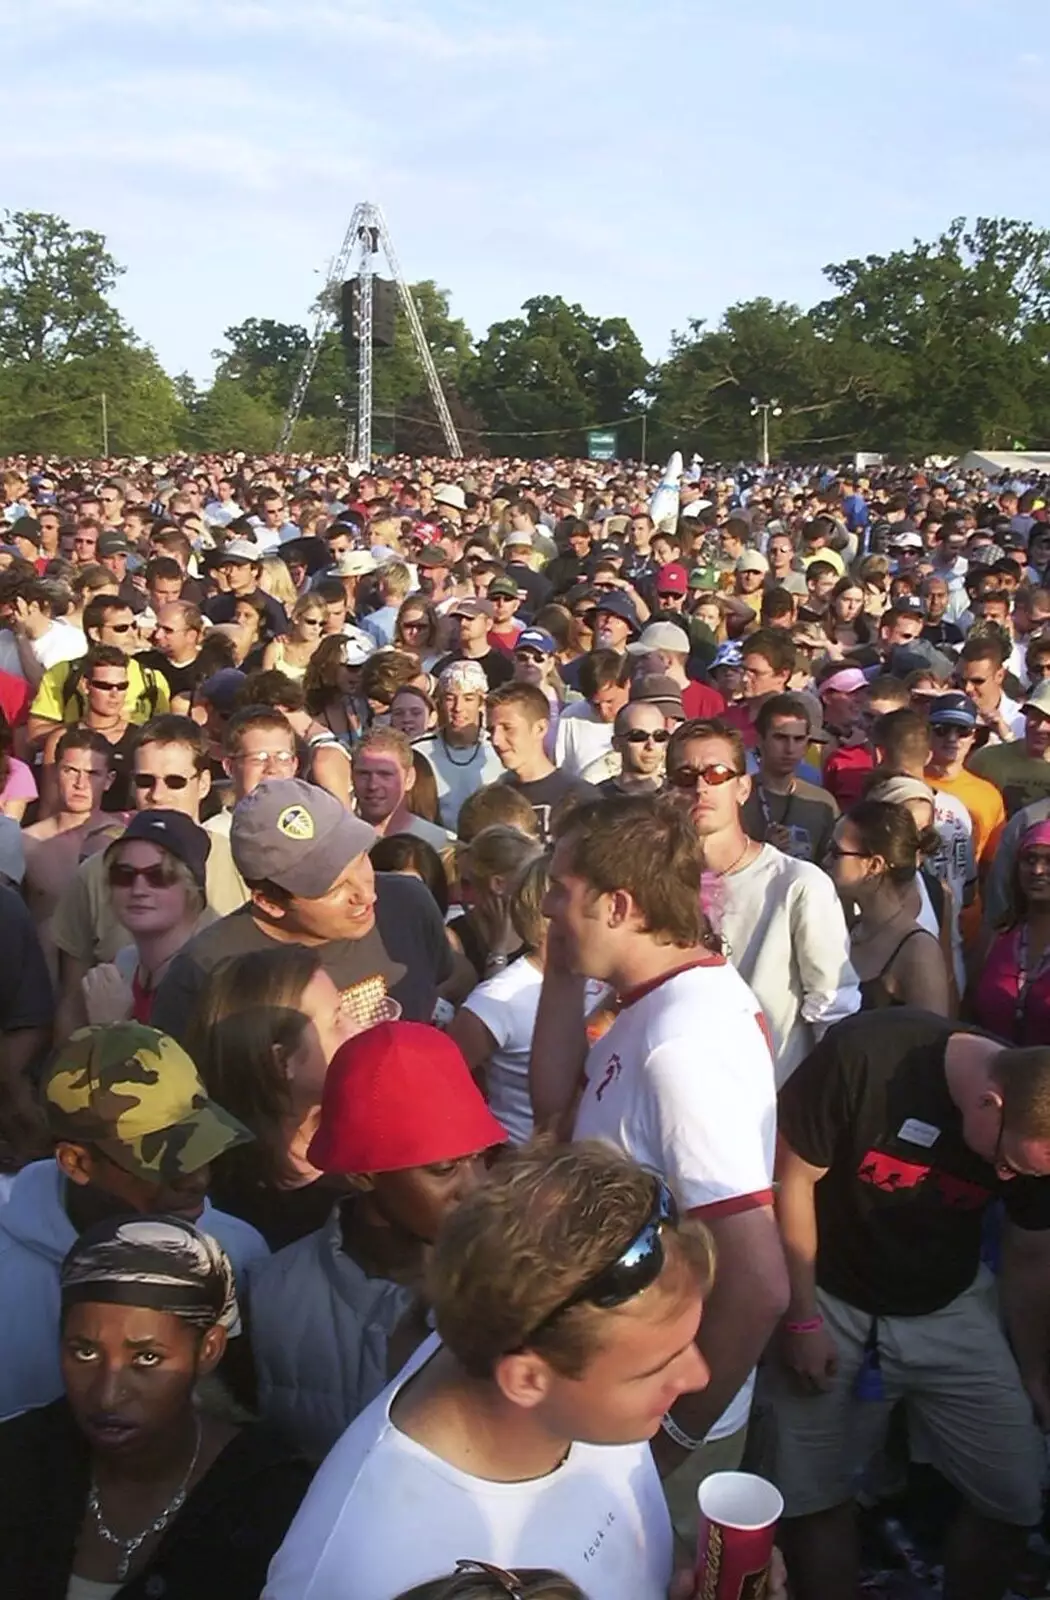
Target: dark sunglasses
(120, 627)
(590, 616)
(647, 736)
(146, 780)
(161, 875)
(535, 656)
(97, 683)
(713, 776)
(637, 1266)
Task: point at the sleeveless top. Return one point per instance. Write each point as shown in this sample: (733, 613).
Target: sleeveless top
(1011, 1000)
(118, 796)
(874, 995)
(290, 670)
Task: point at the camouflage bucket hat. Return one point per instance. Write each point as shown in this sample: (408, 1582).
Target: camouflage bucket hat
(136, 1095)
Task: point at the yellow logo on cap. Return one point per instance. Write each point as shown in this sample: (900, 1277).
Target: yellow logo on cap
(295, 822)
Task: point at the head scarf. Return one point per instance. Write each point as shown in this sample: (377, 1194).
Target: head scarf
(1038, 833)
(158, 1262)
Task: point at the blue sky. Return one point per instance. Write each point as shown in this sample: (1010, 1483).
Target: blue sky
(657, 160)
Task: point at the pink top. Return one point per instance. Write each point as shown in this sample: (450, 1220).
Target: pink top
(20, 785)
(996, 1000)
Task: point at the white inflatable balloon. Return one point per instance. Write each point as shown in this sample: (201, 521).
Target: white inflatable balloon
(663, 507)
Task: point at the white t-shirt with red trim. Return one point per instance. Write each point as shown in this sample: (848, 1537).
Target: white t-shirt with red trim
(683, 1082)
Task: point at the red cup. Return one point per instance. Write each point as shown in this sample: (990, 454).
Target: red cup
(738, 1517)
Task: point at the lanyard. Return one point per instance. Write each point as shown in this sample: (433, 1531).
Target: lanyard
(1025, 979)
(767, 815)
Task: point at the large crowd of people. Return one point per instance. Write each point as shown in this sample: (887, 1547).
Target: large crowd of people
(509, 1007)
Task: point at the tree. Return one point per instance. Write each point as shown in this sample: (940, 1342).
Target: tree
(765, 351)
(63, 345)
(228, 417)
(965, 323)
(53, 288)
(542, 379)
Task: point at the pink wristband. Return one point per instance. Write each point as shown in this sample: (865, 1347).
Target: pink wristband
(814, 1325)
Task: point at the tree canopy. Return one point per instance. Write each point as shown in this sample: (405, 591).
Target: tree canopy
(931, 349)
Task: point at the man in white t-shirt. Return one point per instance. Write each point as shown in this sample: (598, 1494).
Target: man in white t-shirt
(33, 639)
(585, 728)
(683, 1081)
(567, 1297)
(780, 920)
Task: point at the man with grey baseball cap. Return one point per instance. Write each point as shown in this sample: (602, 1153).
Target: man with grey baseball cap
(304, 859)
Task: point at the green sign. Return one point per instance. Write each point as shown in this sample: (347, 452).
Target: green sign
(601, 444)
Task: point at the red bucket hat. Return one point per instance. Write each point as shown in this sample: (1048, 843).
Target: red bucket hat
(400, 1095)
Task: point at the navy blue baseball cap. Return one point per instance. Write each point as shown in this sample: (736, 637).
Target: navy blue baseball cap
(954, 710)
(536, 639)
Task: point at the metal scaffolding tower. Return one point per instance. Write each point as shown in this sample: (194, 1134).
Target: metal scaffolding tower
(367, 235)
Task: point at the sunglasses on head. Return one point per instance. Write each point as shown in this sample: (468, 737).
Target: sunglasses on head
(637, 1266)
(647, 736)
(160, 875)
(712, 776)
(480, 1580)
(146, 781)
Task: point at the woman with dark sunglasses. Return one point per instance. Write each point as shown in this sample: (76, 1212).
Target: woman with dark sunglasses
(155, 877)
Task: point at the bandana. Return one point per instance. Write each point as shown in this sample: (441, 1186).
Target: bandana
(467, 676)
(157, 1262)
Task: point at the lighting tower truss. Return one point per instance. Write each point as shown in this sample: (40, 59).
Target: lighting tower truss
(366, 237)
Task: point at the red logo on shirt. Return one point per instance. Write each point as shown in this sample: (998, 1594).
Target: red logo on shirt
(890, 1173)
(612, 1072)
(893, 1175)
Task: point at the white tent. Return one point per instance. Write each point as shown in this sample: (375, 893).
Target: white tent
(995, 462)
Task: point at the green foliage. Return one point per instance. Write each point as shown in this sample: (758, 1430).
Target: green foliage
(931, 350)
(228, 417)
(542, 379)
(927, 350)
(62, 346)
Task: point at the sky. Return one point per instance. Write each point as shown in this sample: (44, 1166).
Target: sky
(653, 159)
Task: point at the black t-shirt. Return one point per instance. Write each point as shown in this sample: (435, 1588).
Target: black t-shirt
(546, 794)
(533, 585)
(900, 1208)
(497, 667)
(407, 947)
(221, 607)
(282, 1216)
(180, 680)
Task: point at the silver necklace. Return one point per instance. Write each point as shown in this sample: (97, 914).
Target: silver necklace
(129, 1547)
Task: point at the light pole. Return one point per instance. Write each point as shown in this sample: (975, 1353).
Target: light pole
(766, 407)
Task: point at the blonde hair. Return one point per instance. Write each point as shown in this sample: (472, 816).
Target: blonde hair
(276, 580)
(525, 903)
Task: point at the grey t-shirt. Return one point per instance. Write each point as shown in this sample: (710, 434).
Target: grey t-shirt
(546, 795)
(407, 948)
(809, 814)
